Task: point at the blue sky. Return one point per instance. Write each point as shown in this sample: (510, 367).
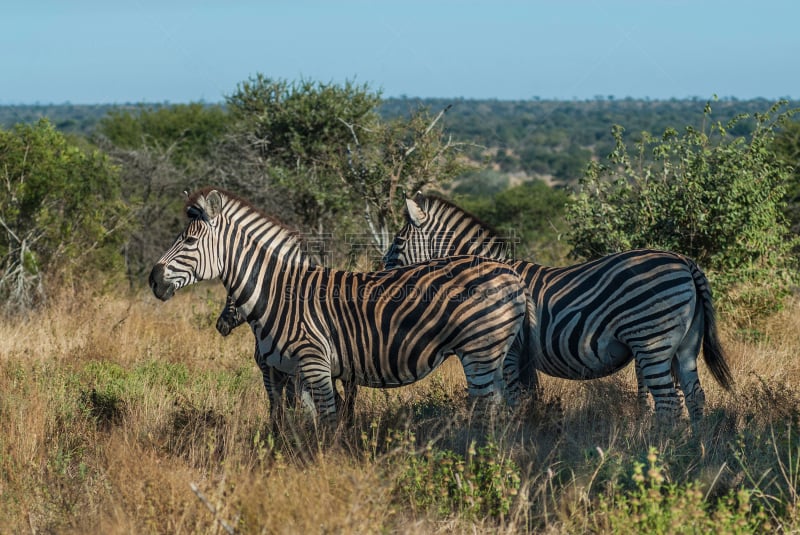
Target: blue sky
(88, 52)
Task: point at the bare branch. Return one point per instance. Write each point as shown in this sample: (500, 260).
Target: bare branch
(9, 230)
(227, 527)
(413, 147)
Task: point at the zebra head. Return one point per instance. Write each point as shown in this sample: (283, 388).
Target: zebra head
(436, 228)
(195, 254)
(410, 245)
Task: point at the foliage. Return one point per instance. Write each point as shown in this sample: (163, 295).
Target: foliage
(481, 183)
(705, 193)
(656, 506)
(300, 131)
(327, 153)
(481, 484)
(79, 119)
(187, 131)
(786, 146)
(531, 214)
(556, 138)
(60, 210)
(540, 138)
(399, 157)
(161, 152)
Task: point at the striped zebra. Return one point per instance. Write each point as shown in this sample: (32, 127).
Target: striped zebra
(379, 329)
(654, 307)
(277, 382)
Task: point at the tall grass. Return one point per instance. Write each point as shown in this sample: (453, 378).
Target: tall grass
(124, 414)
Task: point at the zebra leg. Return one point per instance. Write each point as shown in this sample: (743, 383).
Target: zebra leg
(686, 360)
(512, 371)
(641, 387)
(487, 373)
(348, 401)
(656, 370)
(304, 399)
(274, 383)
(317, 384)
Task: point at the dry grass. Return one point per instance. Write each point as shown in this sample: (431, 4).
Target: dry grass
(111, 408)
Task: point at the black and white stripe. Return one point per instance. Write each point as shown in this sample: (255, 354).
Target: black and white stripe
(380, 329)
(277, 383)
(654, 307)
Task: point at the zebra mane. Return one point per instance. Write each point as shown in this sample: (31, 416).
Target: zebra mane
(195, 210)
(440, 204)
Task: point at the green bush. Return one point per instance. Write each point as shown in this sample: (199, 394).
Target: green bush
(656, 506)
(531, 214)
(704, 193)
(185, 131)
(483, 483)
(60, 212)
(322, 151)
(787, 147)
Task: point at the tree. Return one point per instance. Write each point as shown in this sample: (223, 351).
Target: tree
(323, 150)
(299, 131)
(161, 152)
(402, 157)
(715, 197)
(191, 129)
(531, 215)
(60, 212)
(787, 147)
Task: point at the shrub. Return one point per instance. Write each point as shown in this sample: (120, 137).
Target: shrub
(481, 484)
(530, 214)
(656, 506)
(60, 212)
(704, 193)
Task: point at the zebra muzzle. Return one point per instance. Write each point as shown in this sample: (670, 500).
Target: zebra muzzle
(162, 288)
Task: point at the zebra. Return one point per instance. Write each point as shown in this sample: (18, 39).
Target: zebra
(592, 318)
(277, 382)
(378, 329)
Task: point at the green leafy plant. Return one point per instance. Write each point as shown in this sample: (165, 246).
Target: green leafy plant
(706, 193)
(531, 215)
(657, 506)
(60, 213)
(481, 484)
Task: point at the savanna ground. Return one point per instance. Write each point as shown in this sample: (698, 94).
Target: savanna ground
(128, 415)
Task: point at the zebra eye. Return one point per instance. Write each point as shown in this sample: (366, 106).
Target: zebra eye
(190, 240)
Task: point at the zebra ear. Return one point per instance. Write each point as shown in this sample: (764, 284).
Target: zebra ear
(213, 204)
(416, 215)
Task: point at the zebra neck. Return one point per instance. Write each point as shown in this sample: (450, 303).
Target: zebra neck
(261, 261)
(450, 244)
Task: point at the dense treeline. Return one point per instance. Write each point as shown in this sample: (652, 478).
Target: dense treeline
(554, 139)
(549, 139)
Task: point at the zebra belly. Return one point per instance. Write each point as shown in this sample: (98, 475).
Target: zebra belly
(286, 365)
(372, 381)
(379, 375)
(584, 363)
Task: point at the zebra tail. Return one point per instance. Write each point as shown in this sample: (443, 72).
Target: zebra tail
(713, 354)
(528, 377)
